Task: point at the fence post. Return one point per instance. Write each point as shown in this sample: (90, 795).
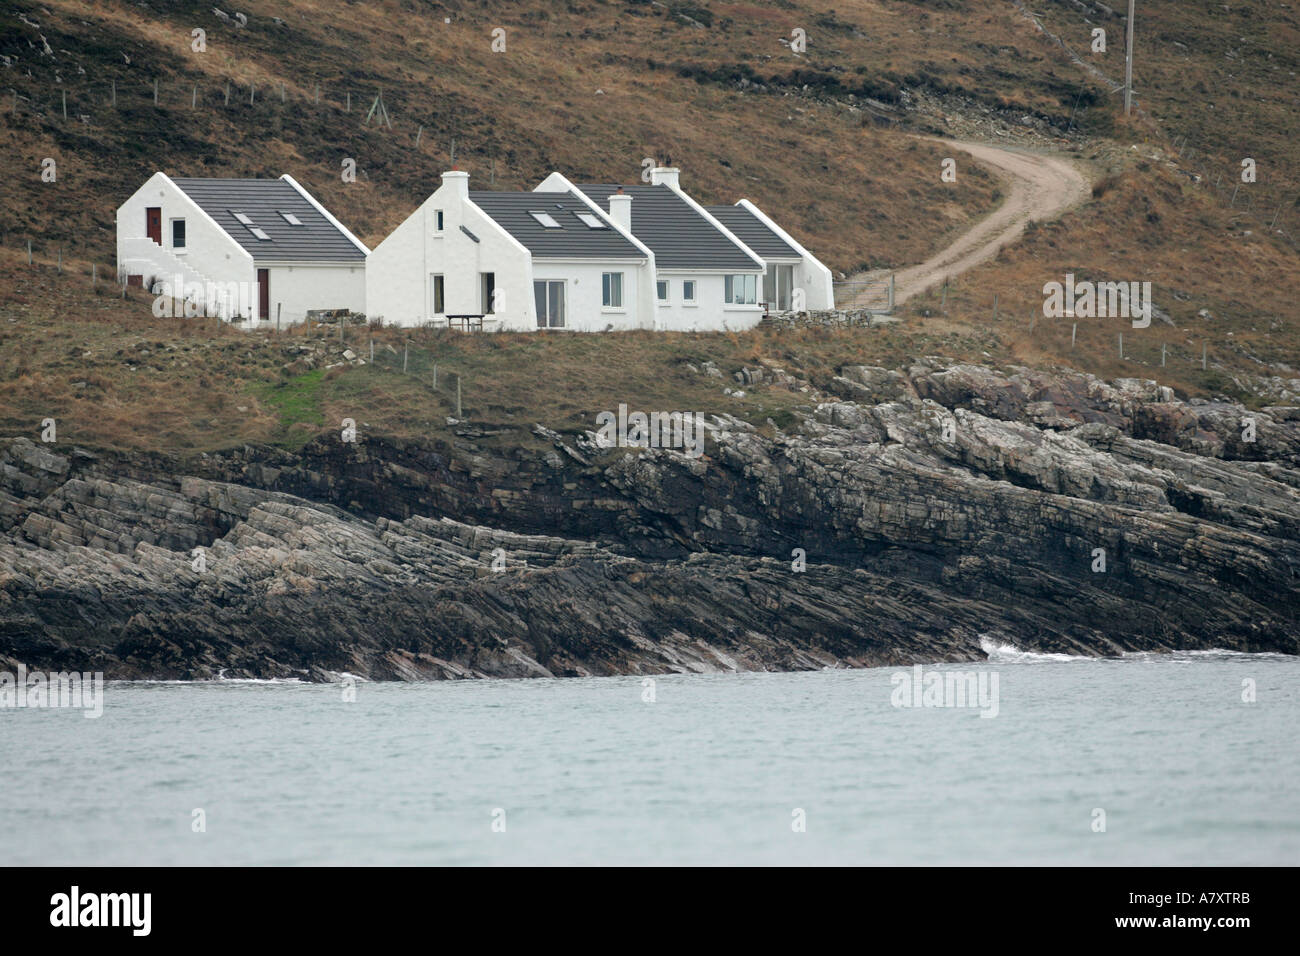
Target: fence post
(995, 306)
(944, 303)
(94, 275)
(349, 101)
(65, 103)
(227, 92)
(29, 252)
(405, 349)
(114, 93)
(372, 351)
(278, 306)
(194, 96)
(1162, 354)
(1073, 330)
(418, 134)
(155, 91)
(435, 374)
(1203, 349)
(60, 259)
(1121, 346)
(458, 396)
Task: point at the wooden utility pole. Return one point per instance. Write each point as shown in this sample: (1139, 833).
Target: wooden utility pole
(1128, 62)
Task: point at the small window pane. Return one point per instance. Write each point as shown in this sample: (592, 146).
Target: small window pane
(291, 219)
(437, 220)
(178, 233)
(611, 290)
(661, 289)
(260, 234)
(244, 220)
(546, 219)
(688, 290)
(591, 221)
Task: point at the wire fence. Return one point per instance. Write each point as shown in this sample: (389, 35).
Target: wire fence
(88, 102)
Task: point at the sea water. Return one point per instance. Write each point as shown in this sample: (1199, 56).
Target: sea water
(1185, 758)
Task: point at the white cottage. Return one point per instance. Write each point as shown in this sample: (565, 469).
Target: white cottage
(706, 277)
(517, 260)
(795, 279)
(258, 249)
(588, 257)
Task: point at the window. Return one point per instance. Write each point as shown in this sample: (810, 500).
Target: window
(290, 218)
(244, 220)
(590, 220)
(611, 290)
(178, 233)
(259, 234)
(688, 290)
(661, 290)
(437, 306)
(740, 290)
(437, 220)
(545, 218)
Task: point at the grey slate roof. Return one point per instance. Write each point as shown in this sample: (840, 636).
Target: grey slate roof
(262, 201)
(753, 232)
(573, 240)
(679, 236)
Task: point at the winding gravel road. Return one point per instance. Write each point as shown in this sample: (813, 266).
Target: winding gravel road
(1038, 187)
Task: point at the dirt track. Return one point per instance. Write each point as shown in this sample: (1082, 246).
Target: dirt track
(1038, 187)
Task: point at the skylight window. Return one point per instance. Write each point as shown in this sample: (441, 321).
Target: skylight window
(545, 218)
(242, 218)
(291, 219)
(259, 233)
(590, 221)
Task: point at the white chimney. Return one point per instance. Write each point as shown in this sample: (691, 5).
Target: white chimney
(664, 176)
(458, 181)
(620, 209)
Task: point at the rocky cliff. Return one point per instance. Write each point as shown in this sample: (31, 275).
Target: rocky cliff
(912, 515)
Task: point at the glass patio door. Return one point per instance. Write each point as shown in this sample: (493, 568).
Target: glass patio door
(777, 286)
(548, 296)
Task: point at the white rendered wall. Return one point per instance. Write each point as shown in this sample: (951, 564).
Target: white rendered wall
(584, 293)
(299, 288)
(711, 313)
(210, 253)
(398, 269)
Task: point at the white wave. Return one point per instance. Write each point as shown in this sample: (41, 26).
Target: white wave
(1002, 651)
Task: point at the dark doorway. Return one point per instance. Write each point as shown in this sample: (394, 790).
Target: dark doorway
(153, 223)
(263, 293)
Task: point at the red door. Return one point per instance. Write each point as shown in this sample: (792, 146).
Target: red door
(263, 294)
(153, 223)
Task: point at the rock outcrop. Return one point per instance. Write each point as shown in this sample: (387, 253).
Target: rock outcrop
(914, 515)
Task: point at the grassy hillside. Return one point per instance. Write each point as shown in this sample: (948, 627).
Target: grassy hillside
(821, 139)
